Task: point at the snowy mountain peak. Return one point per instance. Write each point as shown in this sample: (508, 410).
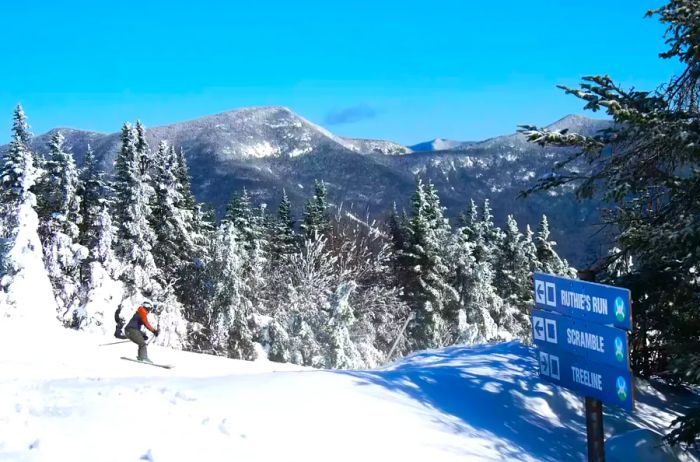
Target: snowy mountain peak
(239, 134)
(579, 124)
(438, 144)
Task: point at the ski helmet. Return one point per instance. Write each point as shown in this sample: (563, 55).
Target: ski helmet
(147, 304)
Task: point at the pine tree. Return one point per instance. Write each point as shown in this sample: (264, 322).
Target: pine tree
(428, 287)
(132, 211)
(19, 172)
(26, 290)
(173, 247)
(343, 352)
(94, 192)
(513, 279)
(647, 166)
(227, 318)
(530, 250)
(187, 200)
(59, 217)
(239, 213)
(282, 236)
(488, 236)
(477, 298)
(316, 215)
(470, 222)
(546, 255)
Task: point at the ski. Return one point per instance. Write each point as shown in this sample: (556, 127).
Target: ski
(164, 366)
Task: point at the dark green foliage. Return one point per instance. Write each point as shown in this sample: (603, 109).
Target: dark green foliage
(648, 166)
(316, 216)
(283, 239)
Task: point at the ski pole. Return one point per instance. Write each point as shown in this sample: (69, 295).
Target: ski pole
(115, 343)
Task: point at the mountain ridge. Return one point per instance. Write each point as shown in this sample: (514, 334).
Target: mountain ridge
(269, 148)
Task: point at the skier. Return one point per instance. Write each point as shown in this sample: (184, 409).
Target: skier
(133, 329)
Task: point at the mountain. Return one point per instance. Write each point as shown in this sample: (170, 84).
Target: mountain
(249, 133)
(438, 144)
(267, 149)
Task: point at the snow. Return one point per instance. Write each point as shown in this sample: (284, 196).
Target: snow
(67, 398)
(260, 150)
(643, 445)
(27, 296)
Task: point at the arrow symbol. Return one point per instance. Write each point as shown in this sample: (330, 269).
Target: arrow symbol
(540, 295)
(539, 328)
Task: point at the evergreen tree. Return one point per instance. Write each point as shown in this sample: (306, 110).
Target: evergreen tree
(477, 298)
(239, 213)
(59, 215)
(143, 153)
(227, 317)
(429, 291)
(513, 278)
(26, 290)
(187, 200)
(19, 172)
(343, 351)
(487, 237)
(316, 215)
(653, 179)
(282, 236)
(546, 255)
(132, 210)
(530, 250)
(399, 234)
(173, 247)
(94, 192)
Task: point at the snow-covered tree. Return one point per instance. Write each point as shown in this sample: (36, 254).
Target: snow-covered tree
(428, 287)
(549, 260)
(172, 224)
(343, 352)
(184, 183)
(513, 278)
(59, 215)
(132, 211)
(477, 298)
(311, 280)
(647, 165)
(101, 291)
(316, 215)
(283, 239)
(26, 293)
(227, 318)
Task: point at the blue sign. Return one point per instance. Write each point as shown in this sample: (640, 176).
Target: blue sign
(589, 301)
(608, 384)
(602, 344)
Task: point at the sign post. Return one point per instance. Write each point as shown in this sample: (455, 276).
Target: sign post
(580, 329)
(595, 432)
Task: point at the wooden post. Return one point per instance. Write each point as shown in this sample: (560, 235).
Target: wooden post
(594, 430)
(594, 408)
(398, 337)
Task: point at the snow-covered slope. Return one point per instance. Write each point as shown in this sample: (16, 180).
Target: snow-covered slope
(67, 398)
(388, 148)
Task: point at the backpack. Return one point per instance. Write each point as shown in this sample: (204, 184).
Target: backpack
(119, 332)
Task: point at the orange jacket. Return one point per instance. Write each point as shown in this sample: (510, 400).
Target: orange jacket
(140, 318)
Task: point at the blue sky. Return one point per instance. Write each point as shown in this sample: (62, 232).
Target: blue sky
(406, 71)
